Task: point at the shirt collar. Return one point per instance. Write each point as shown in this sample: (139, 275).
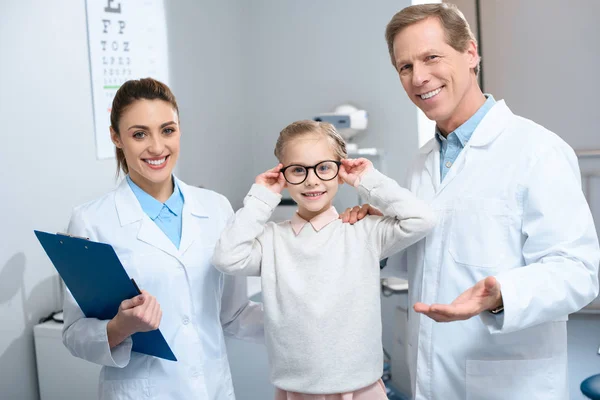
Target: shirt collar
(465, 131)
(319, 222)
(153, 207)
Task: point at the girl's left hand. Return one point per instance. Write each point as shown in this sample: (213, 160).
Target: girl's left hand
(352, 170)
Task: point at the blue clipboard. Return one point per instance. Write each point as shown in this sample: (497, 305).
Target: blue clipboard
(96, 278)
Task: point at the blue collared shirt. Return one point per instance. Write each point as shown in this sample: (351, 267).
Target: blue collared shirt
(452, 145)
(167, 216)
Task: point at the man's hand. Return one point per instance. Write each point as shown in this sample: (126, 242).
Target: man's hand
(272, 179)
(356, 213)
(484, 296)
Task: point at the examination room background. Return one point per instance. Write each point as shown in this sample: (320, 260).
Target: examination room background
(241, 71)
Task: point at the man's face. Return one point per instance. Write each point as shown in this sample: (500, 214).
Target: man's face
(435, 76)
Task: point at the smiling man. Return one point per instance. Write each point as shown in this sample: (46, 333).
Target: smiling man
(503, 249)
(515, 250)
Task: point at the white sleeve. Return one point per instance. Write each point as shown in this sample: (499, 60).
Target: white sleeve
(406, 220)
(239, 250)
(87, 338)
(561, 249)
(241, 318)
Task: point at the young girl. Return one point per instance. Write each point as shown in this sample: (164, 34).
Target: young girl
(320, 277)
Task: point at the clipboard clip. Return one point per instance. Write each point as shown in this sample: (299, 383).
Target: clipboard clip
(73, 236)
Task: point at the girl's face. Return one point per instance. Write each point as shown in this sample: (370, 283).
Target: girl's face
(149, 137)
(313, 195)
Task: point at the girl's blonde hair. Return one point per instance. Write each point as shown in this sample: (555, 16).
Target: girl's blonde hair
(300, 128)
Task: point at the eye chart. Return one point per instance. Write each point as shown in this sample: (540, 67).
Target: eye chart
(127, 40)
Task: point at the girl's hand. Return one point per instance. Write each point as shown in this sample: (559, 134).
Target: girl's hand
(352, 170)
(272, 179)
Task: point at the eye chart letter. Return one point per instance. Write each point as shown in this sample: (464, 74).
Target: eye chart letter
(127, 40)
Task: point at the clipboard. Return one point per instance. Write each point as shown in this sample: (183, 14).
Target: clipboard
(99, 283)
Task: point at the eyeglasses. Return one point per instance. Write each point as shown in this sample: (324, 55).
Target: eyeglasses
(325, 171)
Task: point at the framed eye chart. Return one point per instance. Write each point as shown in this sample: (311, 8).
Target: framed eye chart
(127, 40)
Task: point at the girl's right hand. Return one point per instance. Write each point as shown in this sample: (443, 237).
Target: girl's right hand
(272, 179)
(141, 313)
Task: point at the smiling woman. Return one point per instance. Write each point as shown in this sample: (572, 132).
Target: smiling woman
(145, 131)
(163, 232)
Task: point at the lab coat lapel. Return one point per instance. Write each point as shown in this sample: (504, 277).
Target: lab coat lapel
(150, 233)
(129, 210)
(458, 166)
(195, 222)
(490, 127)
(431, 152)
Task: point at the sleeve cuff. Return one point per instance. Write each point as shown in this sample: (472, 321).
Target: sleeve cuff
(264, 195)
(119, 355)
(370, 180)
(493, 323)
(503, 322)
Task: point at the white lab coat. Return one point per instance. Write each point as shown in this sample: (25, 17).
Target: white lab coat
(197, 301)
(511, 207)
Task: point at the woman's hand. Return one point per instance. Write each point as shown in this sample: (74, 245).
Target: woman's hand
(141, 313)
(272, 179)
(352, 170)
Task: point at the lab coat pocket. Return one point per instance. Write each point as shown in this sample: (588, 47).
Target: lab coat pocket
(124, 389)
(510, 379)
(479, 232)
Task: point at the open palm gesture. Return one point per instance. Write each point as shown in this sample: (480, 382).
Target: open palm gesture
(485, 295)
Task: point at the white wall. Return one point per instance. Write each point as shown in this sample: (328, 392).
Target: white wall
(247, 69)
(208, 73)
(48, 166)
(543, 57)
(308, 57)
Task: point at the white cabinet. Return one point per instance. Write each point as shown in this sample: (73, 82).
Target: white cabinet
(399, 363)
(60, 375)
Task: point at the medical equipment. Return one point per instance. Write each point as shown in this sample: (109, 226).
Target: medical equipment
(57, 368)
(392, 285)
(348, 120)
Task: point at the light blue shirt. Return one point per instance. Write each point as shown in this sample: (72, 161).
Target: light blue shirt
(456, 140)
(168, 215)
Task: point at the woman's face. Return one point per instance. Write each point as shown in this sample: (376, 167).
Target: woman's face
(149, 137)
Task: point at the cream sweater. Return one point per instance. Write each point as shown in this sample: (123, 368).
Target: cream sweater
(321, 289)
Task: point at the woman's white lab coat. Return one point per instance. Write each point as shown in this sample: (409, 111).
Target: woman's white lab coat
(197, 301)
(511, 207)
